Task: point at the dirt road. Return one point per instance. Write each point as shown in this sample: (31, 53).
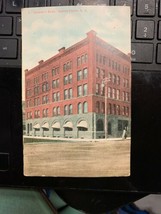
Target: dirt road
(82, 159)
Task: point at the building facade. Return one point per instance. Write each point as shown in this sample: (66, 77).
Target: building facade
(83, 91)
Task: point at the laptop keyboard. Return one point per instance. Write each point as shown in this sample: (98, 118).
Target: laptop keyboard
(145, 29)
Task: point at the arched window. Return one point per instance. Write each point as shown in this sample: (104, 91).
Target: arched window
(99, 125)
(79, 108)
(85, 107)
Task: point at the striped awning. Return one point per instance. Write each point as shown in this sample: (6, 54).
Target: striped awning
(82, 124)
(45, 126)
(36, 126)
(56, 125)
(68, 125)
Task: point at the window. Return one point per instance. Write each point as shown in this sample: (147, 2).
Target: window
(97, 88)
(123, 95)
(70, 78)
(118, 80)
(114, 93)
(55, 71)
(70, 93)
(54, 111)
(102, 73)
(109, 92)
(65, 94)
(83, 59)
(36, 90)
(54, 97)
(65, 110)
(79, 75)
(85, 73)
(58, 96)
(109, 77)
(123, 110)
(114, 79)
(99, 125)
(79, 108)
(79, 91)
(78, 61)
(65, 80)
(45, 99)
(98, 72)
(85, 89)
(57, 83)
(58, 110)
(85, 107)
(118, 110)
(70, 109)
(118, 94)
(127, 96)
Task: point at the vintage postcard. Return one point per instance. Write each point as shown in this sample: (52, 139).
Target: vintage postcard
(76, 91)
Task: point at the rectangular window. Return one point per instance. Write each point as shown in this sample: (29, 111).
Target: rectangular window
(70, 93)
(79, 91)
(85, 89)
(54, 84)
(57, 83)
(97, 88)
(85, 73)
(98, 72)
(78, 61)
(79, 75)
(65, 80)
(58, 96)
(70, 78)
(54, 97)
(109, 92)
(65, 94)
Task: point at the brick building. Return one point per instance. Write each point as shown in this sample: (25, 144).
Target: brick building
(69, 94)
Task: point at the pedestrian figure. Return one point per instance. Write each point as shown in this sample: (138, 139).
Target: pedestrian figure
(124, 134)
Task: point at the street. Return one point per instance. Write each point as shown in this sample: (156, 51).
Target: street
(78, 159)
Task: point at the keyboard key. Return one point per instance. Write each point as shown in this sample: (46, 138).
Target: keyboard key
(0, 6)
(146, 7)
(14, 6)
(8, 48)
(5, 25)
(159, 30)
(145, 29)
(142, 52)
(91, 2)
(18, 25)
(125, 3)
(159, 53)
(59, 2)
(36, 3)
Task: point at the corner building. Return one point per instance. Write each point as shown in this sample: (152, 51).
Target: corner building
(69, 94)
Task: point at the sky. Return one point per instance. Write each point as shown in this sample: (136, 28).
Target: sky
(46, 30)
